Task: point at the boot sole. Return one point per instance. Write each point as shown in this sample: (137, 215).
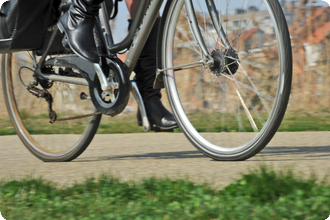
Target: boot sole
(157, 128)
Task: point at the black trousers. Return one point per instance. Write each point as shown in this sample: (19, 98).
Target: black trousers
(146, 66)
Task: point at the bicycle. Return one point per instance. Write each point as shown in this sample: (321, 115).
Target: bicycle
(238, 65)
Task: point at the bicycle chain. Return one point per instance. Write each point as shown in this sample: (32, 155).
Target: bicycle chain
(39, 93)
(77, 117)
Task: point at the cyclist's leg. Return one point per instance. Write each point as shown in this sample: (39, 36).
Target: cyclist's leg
(145, 71)
(78, 23)
(132, 6)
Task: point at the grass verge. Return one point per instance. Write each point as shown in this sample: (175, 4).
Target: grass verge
(261, 194)
(293, 122)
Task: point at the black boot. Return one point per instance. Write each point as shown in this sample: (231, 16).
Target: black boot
(159, 117)
(77, 24)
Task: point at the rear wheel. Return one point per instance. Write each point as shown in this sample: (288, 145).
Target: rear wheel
(232, 108)
(62, 140)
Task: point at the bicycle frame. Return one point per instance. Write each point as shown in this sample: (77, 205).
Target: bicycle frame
(143, 23)
(146, 15)
(209, 103)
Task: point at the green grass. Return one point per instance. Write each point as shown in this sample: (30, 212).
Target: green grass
(261, 194)
(297, 121)
(293, 122)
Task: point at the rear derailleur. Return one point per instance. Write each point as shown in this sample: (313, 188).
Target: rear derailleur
(43, 93)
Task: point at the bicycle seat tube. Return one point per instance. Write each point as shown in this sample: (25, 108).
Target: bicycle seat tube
(146, 15)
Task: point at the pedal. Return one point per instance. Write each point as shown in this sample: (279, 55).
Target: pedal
(84, 96)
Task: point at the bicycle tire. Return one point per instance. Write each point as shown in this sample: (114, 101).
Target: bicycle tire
(217, 112)
(57, 142)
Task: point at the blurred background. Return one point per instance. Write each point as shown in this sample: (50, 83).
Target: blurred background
(309, 24)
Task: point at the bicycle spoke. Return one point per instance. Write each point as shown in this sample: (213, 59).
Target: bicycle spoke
(239, 90)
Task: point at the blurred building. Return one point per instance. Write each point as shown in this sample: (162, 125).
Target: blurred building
(309, 27)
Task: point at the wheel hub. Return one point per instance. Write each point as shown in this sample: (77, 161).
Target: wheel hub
(231, 59)
(224, 62)
(218, 62)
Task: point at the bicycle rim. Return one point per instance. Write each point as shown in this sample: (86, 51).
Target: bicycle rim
(60, 141)
(228, 116)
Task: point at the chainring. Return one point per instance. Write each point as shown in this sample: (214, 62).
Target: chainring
(112, 102)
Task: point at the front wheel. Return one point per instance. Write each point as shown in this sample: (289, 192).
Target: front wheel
(232, 108)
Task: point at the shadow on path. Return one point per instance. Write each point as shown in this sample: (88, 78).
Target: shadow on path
(161, 156)
(304, 153)
(310, 152)
(274, 151)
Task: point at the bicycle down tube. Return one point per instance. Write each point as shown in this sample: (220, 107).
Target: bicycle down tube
(146, 19)
(136, 40)
(141, 26)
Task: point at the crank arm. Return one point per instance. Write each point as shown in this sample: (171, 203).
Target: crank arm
(105, 84)
(143, 112)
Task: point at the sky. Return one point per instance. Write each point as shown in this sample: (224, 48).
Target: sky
(121, 20)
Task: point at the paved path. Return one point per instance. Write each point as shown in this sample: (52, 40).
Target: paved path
(134, 156)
